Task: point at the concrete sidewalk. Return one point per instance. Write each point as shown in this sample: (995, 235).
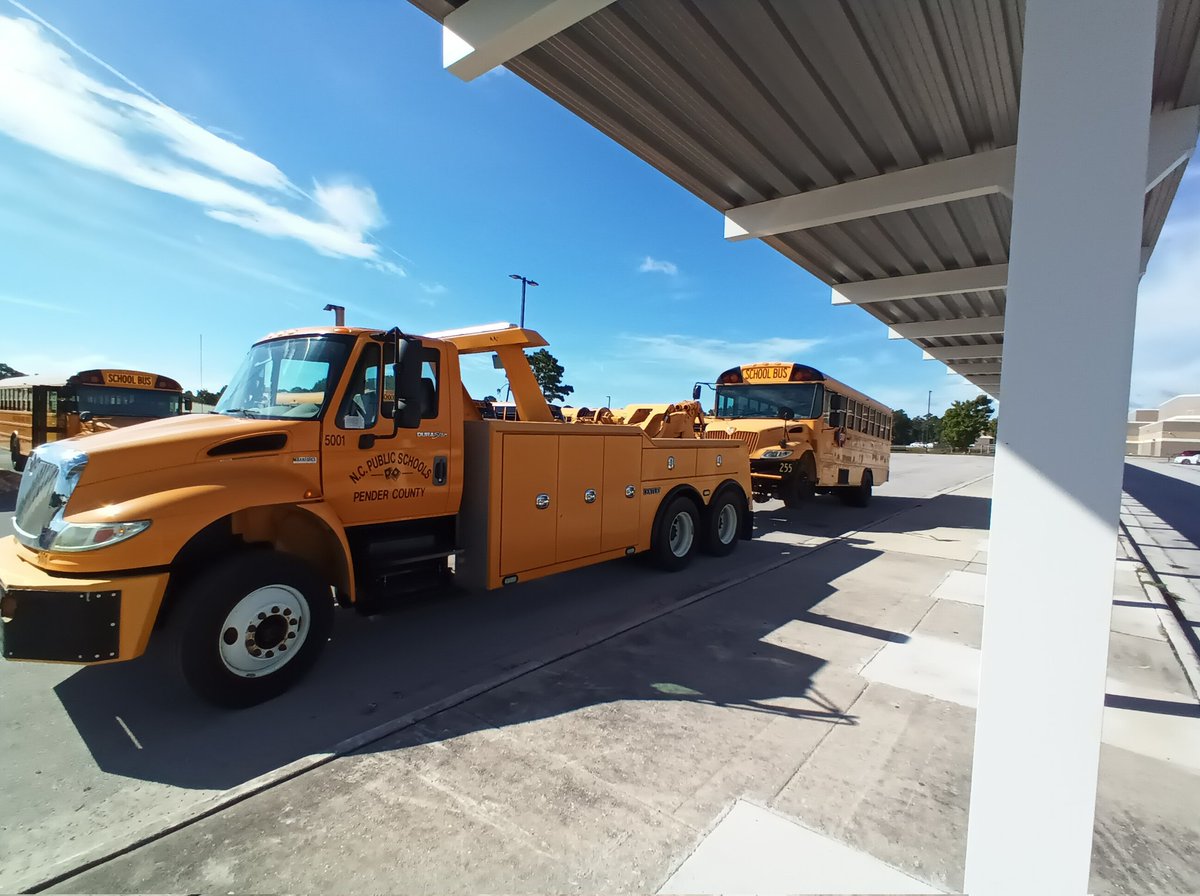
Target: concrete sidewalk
(809, 730)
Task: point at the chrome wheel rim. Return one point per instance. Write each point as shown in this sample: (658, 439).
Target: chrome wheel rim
(263, 631)
(727, 524)
(683, 532)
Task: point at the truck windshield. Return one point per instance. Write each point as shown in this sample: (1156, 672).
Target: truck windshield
(767, 400)
(286, 378)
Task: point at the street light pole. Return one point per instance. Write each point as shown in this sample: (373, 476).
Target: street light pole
(928, 405)
(525, 281)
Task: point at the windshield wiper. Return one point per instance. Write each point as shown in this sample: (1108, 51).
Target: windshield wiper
(245, 412)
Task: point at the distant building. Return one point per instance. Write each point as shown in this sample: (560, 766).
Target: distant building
(1163, 432)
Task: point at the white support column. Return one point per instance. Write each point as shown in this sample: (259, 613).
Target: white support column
(978, 175)
(482, 34)
(1073, 272)
(964, 353)
(915, 286)
(987, 368)
(1172, 140)
(933, 329)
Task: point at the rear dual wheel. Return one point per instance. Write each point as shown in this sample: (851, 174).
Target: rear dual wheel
(682, 527)
(858, 495)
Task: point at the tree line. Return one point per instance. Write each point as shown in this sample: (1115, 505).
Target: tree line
(958, 427)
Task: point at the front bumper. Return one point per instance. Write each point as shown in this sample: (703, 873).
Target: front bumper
(74, 619)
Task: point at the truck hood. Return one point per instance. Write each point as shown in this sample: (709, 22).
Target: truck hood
(188, 439)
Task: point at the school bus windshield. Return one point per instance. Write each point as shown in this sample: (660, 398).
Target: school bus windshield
(286, 378)
(804, 400)
(113, 401)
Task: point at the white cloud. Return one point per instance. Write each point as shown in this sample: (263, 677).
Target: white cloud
(1166, 362)
(711, 356)
(36, 303)
(434, 289)
(48, 102)
(654, 265)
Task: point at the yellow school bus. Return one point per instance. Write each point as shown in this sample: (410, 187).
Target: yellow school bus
(806, 432)
(39, 409)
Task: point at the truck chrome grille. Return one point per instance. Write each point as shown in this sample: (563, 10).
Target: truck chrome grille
(749, 439)
(34, 509)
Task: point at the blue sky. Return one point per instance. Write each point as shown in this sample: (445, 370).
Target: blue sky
(226, 169)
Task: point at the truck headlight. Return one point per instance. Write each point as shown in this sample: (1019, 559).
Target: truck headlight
(776, 453)
(90, 536)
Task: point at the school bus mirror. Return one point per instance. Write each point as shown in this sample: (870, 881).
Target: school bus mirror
(85, 416)
(187, 404)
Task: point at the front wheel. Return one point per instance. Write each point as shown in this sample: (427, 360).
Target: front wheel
(723, 523)
(252, 626)
(673, 541)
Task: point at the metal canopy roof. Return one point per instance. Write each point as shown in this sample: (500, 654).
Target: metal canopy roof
(746, 102)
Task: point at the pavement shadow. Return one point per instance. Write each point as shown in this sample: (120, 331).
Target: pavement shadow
(722, 651)
(827, 517)
(1175, 501)
(138, 721)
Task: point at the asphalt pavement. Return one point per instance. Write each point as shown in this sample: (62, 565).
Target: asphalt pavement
(99, 758)
(803, 724)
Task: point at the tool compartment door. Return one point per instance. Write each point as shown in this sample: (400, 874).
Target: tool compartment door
(580, 496)
(528, 531)
(621, 511)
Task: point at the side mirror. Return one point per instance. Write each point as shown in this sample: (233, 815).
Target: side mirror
(786, 413)
(187, 404)
(408, 383)
(85, 416)
(696, 392)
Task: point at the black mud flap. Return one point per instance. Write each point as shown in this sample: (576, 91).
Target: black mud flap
(70, 626)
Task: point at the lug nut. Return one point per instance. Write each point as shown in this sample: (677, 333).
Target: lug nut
(282, 647)
(291, 635)
(262, 615)
(270, 653)
(293, 621)
(274, 609)
(251, 628)
(287, 611)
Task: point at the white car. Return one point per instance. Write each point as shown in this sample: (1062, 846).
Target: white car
(1187, 457)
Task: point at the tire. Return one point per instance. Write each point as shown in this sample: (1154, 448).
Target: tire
(673, 542)
(243, 598)
(722, 524)
(859, 495)
(800, 488)
(14, 449)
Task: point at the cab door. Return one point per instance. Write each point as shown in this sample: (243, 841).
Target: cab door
(373, 471)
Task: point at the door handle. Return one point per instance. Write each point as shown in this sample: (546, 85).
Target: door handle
(439, 470)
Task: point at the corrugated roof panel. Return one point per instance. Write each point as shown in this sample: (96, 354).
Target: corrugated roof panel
(744, 101)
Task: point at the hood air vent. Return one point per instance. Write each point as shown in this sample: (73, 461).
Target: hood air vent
(250, 445)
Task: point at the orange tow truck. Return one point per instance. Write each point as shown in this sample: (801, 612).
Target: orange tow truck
(341, 465)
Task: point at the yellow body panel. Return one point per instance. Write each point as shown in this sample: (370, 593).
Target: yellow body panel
(141, 595)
